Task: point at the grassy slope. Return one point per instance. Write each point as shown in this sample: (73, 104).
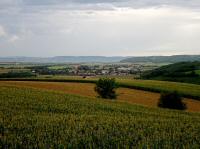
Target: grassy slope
(187, 90)
(191, 80)
(133, 96)
(177, 72)
(34, 118)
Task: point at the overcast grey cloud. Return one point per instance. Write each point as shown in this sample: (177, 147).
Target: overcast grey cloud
(99, 27)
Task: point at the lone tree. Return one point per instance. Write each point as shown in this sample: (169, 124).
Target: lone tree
(105, 87)
(171, 100)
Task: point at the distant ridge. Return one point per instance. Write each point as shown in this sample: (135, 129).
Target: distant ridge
(103, 59)
(63, 59)
(162, 59)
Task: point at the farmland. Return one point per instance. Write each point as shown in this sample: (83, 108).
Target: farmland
(124, 74)
(58, 111)
(87, 90)
(186, 89)
(48, 119)
(99, 74)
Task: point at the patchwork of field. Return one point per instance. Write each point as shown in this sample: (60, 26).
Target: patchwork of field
(38, 118)
(186, 89)
(132, 96)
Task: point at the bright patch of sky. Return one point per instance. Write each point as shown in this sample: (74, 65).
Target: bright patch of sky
(99, 27)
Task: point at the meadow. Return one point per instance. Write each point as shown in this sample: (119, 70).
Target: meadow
(35, 118)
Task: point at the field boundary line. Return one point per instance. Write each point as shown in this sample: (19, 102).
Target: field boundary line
(120, 84)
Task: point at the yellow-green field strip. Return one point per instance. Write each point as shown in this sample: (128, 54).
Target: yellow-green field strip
(185, 89)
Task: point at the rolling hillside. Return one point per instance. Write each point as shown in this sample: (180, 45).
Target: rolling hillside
(178, 72)
(32, 118)
(186, 89)
(127, 95)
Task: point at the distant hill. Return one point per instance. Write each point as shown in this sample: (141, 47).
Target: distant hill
(179, 72)
(63, 59)
(102, 59)
(163, 59)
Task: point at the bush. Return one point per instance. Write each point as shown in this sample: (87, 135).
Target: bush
(17, 75)
(105, 87)
(171, 100)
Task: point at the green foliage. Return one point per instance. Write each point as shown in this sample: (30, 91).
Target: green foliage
(180, 72)
(17, 75)
(175, 70)
(49, 70)
(105, 87)
(31, 118)
(171, 100)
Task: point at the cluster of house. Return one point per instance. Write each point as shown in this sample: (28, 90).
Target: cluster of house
(92, 69)
(105, 69)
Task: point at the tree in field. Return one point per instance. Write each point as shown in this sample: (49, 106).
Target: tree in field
(105, 87)
(171, 100)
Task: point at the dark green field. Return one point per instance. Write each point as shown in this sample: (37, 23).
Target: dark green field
(31, 118)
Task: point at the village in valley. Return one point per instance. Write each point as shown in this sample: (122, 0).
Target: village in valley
(85, 70)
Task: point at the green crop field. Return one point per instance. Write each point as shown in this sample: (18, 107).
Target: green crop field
(186, 89)
(198, 72)
(58, 67)
(33, 118)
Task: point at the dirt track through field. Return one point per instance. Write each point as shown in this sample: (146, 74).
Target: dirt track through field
(87, 89)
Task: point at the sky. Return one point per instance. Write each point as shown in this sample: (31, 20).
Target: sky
(45, 28)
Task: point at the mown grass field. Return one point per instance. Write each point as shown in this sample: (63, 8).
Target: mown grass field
(35, 118)
(87, 89)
